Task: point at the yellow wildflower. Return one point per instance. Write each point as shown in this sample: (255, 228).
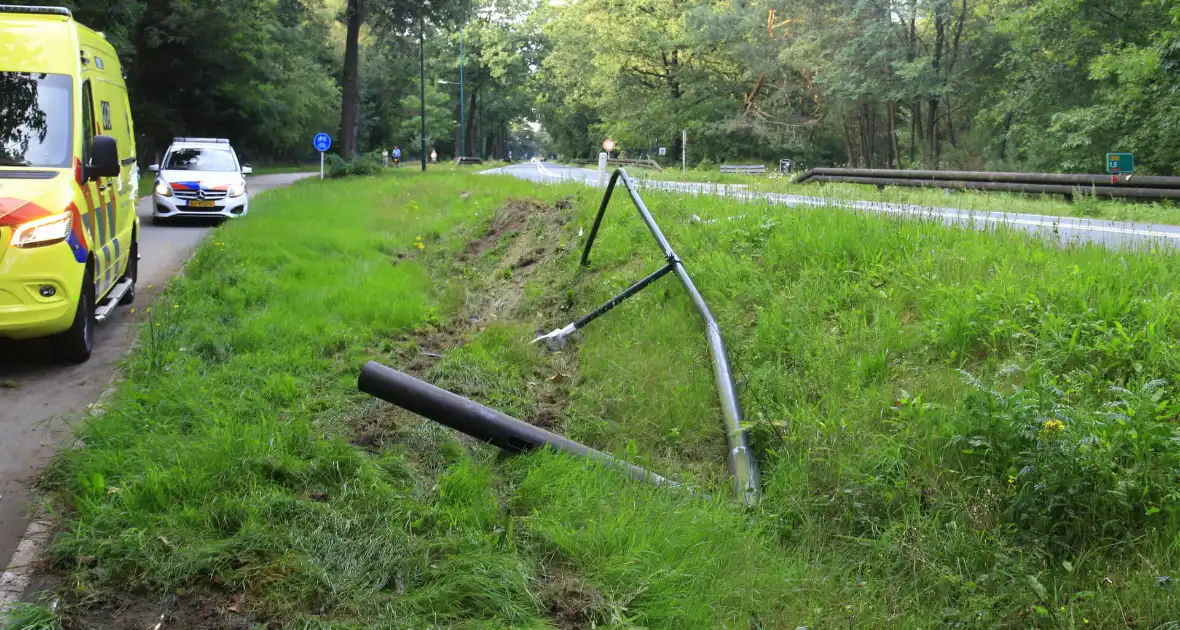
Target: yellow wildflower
(1052, 426)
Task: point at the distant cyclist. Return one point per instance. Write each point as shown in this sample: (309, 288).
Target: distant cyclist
(397, 156)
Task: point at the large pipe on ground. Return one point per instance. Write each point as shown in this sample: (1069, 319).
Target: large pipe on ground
(480, 422)
(1044, 189)
(1076, 180)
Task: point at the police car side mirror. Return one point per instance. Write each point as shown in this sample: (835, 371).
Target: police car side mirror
(247, 170)
(155, 168)
(104, 158)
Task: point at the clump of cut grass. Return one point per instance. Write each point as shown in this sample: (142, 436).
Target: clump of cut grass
(25, 616)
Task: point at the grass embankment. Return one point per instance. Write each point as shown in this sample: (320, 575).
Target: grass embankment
(956, 428)
(1053, 205)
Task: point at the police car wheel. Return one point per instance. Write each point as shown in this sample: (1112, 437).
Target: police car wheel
(131, 272)
(75, 344)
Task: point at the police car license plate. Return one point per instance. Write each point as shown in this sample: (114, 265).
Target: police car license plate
(200, 204)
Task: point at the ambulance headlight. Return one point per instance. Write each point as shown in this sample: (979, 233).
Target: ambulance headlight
(238, 189)
(163, 189)
(47, 231)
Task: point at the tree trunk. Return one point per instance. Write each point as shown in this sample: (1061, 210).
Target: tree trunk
(950, 123)
(915, 125)
(894, 158)
(1004, 137)
(848, 144)
(866, 153)
(872, 137)
(932, 133)
(350, 100)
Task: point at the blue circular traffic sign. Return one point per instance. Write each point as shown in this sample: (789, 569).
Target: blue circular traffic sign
(322, 142)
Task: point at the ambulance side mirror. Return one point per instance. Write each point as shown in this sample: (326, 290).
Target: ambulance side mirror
(104, 158)
(247, 170)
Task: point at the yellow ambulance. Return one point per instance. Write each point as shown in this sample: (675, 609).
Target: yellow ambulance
(68, 180)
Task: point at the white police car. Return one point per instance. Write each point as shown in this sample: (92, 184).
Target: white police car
(200, 177)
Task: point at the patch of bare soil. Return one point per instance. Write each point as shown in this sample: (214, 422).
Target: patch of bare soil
(572, 604)
(150, 611)
(510, 220)
(525, 236)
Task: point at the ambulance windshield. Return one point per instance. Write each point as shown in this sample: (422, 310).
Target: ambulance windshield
(35, 119)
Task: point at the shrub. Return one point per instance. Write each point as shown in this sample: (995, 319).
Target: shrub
(1081, 461)
(363, 164)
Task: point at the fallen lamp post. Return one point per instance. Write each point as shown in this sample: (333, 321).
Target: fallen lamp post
(484, 423)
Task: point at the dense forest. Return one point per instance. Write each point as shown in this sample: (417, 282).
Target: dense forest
(1014, 84)
(992, 84)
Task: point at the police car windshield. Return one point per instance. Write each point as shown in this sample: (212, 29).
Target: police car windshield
(35, 119)
(193, 159)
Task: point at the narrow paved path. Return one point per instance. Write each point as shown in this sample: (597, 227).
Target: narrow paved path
(1069, 229)
(39, 398)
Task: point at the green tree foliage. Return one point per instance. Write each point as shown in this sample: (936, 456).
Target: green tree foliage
(259, 72)
(404, 19)
(1086, 77)
(1024, 84)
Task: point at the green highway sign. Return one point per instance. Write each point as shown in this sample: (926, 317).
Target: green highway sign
(1120, 162)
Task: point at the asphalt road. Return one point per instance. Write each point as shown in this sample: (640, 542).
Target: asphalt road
(39, 398)
(1068, 229)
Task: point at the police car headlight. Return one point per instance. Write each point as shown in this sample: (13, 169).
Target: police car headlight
(238, 189)
(47, 231)
(163, 189)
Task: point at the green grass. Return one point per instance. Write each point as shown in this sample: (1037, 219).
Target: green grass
(30, 617)
(1163, 212)
(955, 428)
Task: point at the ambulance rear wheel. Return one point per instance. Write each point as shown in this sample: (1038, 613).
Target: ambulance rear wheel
(75, 344)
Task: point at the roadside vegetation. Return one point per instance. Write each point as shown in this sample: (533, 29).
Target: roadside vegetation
(955, 428)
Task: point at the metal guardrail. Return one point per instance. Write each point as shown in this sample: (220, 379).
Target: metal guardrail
(740, 458)
(745, 169)
(1126, 186)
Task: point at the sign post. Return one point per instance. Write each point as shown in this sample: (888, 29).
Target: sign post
(683, 150)
(322, 142)
(1117, 163)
